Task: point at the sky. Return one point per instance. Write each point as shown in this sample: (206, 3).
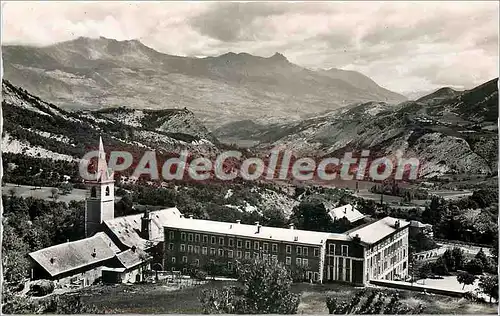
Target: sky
(404, 46)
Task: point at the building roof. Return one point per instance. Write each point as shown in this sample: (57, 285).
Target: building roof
(131, 258)
(347, 211)
(127, 228)
(264, 232)
(418, 224)
(374, 232)
(73, 255)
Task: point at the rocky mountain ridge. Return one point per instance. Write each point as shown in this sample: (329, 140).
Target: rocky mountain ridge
(99, 73)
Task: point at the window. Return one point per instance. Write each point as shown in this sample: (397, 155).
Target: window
(230, 266)
(204, 250)
(93, 192)
(221, 241)
(190, 237)
(305, 262)
(299, 250)
(298, 261)
(197, 238)
(197, 262)
(247, 244)
(196, 249)
(275, 258)
(309, 275)
(404, 265)
(288, 249)
(266, 247)
(184, 259)
(256, 255)
(331, 249)
(184, 270)
(316, 276)
(239, 243)
(171, 246)
(183, 236)
(212, 251)
(275, 248)
(316, 252)
(265, 257)
(288, 261)
(107, 191)
(345, 250)
(171, 235)
(256, 245)
(190, 248)
(205, 239)
(183, 247)
(247, 255)
(230, 253)
(231, 242)
(221, 252)
(305, 251)
(173, 259)
(238, 254)
(212, 240)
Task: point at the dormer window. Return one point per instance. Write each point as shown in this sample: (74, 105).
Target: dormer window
(107, 191)
(93, 192)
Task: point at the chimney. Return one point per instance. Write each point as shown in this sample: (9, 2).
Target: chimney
(257, 223)
(292, 226)
(296, 238)
(134, 248)
(238, 221)
(52, 260)
(231, 226)
(190, 216)
(396, 224)
(181, 215)
(345, 210)
(146, 225)
(93, 253)
(258, 227)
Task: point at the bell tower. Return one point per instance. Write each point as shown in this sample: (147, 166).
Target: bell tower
(100, 206)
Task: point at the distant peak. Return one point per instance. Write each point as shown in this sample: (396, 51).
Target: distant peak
(278, 56)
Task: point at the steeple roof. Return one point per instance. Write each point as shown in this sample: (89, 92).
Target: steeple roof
(103, 172)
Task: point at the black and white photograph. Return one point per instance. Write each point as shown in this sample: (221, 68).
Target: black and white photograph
(267, 157)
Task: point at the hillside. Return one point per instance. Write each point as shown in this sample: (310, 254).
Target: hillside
(450, 132)
(37, 133)
(100, 73)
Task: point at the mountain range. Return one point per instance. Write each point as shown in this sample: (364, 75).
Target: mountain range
(450, 132)
(101, 73)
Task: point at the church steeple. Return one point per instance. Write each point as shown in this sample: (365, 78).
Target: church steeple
(100, 206)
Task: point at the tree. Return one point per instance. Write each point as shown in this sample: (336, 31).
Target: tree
(485, 262)
(65, 188)
(465, 278)
(12, 192)
(53, 192)
(440, 267)
(489, 286)
(424, 271)
(458, 258)
(311, 214)
(265, 289)
(474, 266)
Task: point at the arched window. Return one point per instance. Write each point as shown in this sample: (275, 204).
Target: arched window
(107, 191)
(93, 192)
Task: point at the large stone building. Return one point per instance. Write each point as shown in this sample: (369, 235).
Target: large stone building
(119, 249)
(374, 251)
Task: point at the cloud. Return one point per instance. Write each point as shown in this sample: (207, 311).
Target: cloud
(403, 46)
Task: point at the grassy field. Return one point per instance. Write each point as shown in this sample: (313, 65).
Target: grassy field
(168, 299)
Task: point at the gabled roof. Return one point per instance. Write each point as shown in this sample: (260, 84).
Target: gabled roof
(347, 211)
(374, 232)
(264, 232)
(127, 228)
(73, 255)
(130, 258)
